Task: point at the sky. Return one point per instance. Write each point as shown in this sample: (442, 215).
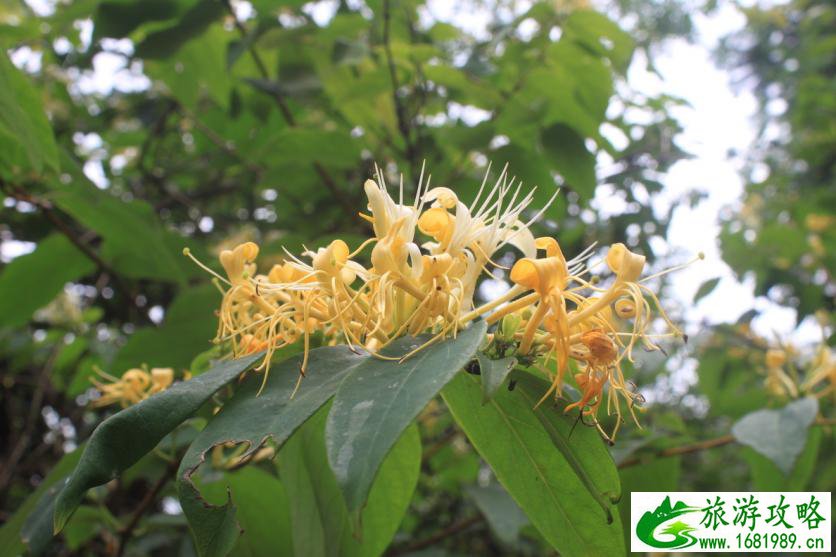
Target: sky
(718, 121)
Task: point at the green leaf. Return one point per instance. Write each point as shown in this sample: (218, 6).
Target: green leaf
(85, 524)
(504, 516)
(321, 521)
(189, 324)
(38, 532)
(252, 418)
(706, 288)
(584, 451)
(600, 35)
(26, 140)
(124, 438)
(660, 474)
(565, 149)
(727, 381)
(494, 373)
(165, 42)
(264, 513)
(511, 437)
(43, 274)
(118, 18)
(197, 68)
(135, 243)
(297, 146)
(530, 168)
(779, 435)
(766, 476)
(380, 398)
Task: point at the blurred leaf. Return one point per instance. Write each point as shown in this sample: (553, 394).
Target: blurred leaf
(118, 18)
(522, 453)
(124, 438)
(268, 6)
(380, 398)
(766, 476)
(165, 42)
(135, 244)
(43, 274)
(596, 32)
(297, 145)
(504, 516)
(706, 288)
(264, 511)
(38, 533)
(531, 169)
(197, 68)
(659, 474)
(321, 521)
(779, 435)
(189, 324)
(494, 373)
(250, 417)
(566, 151)
(26, 139)
(85, 524)
(727, 381)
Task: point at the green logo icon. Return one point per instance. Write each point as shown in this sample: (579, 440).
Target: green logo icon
(681, 532)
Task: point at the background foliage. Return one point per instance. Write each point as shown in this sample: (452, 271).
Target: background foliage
(235, 121)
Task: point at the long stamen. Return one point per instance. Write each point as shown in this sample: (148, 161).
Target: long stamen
(700, 256)
(188, 253)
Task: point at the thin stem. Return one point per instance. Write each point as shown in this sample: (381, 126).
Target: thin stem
(700, 446)
(150, 496)
(451, 530)
(684, 449)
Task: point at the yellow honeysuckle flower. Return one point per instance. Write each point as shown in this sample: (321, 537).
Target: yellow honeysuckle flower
(549, 278)
(822, 374)
(550, 313)
(134, 386)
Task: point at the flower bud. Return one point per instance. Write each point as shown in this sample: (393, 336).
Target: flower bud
(775, 358)
(509, 325)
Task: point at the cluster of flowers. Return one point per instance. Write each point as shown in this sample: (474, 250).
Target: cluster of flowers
(784, 378)
(133, 386)
(550, 316)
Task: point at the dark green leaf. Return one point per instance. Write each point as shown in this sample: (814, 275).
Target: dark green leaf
(779, 435)
(511, 437)
(85, 524)
(124, 438)
(118, 18)
(660, 474)
(165, 42)
(566, 151)
(493, 373)
(43, 273)
(196, 69)
(706, 288)
(322, 523)
(264, 511)
(380, 398)
(252, 419)
(26, 139)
